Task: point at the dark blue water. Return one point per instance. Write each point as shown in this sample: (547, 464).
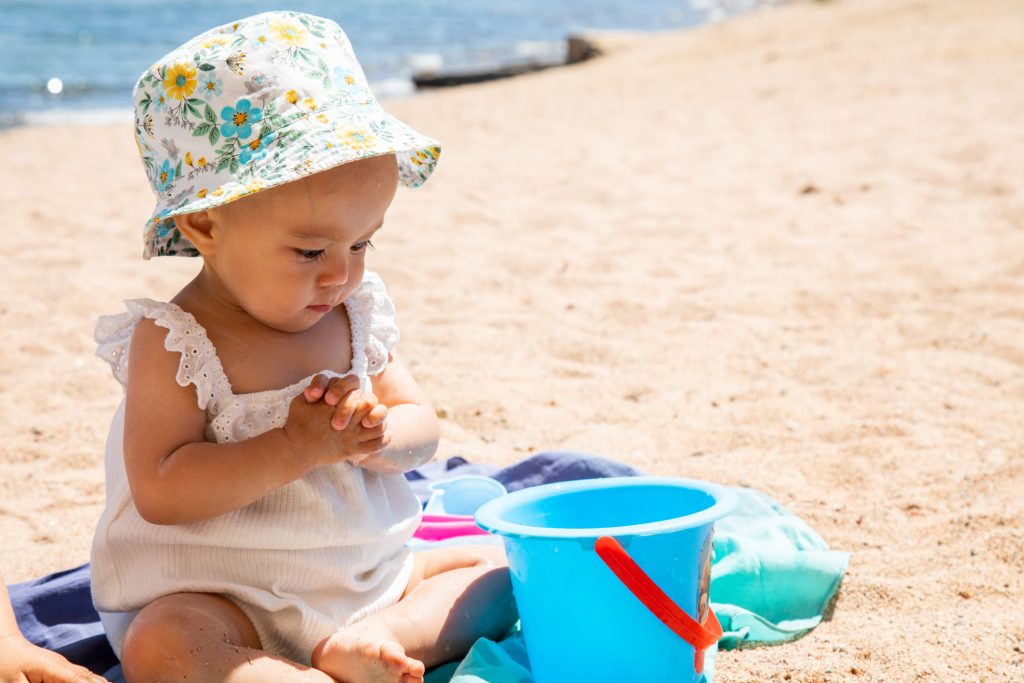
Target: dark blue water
(92, 51)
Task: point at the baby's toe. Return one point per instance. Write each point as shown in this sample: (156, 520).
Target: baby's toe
(416, 669)
(393, 655)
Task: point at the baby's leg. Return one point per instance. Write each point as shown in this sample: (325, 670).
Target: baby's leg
(201, 637)
(455, 596)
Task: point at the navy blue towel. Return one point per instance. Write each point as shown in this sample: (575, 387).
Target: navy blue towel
(56, 612)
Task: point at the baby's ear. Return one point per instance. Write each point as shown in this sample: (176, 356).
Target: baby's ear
(198, 228)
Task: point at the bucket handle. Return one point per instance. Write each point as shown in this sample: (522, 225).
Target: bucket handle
(658, 602)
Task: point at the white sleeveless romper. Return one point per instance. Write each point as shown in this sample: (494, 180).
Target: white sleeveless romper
(310, 557)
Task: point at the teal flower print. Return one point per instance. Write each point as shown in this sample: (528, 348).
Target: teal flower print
(239, 119)
(165, 227)
(165, 176)
(210, 86)
(257, 148)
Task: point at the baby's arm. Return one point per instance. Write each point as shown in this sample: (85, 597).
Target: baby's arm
(411, 421)
(411, 432)
(177, 477)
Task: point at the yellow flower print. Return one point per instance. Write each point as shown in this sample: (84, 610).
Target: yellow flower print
(188, 158)
(261, 39)
(357, 138)
(350, 79)
(255, 186)
(421, 156)
(322, 118)
(218, 192)
(201, 162)
(310, 103)
(291, 96)
(216, 40)
(201, 193)
(288, 32)
(180, 81)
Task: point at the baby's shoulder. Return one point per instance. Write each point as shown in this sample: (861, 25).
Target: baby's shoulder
(158, 344)
(151, 363)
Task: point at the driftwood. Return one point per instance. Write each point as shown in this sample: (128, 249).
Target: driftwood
(578, 49)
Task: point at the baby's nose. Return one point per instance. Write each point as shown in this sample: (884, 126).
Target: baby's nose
(335, 271)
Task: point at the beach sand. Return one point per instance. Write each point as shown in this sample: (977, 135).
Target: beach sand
(785, 252)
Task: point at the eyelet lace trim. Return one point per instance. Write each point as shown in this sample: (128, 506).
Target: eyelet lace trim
(371, 303)
(199, 364)
(230, 416)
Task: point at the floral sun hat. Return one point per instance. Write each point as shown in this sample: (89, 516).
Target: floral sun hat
(254, 104)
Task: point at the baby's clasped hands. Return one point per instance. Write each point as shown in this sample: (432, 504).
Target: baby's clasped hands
(334, 421)
(344, 393)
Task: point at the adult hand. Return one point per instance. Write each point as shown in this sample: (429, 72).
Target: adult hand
(23, 662)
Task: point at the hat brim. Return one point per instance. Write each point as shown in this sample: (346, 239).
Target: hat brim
(312, 143)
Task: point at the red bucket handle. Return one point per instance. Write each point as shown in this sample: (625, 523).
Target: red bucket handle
(656, 600)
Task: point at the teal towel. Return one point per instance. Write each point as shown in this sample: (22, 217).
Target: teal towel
(772, 578)
(505, 661)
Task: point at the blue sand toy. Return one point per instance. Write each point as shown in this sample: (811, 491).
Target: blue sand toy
(611, 575)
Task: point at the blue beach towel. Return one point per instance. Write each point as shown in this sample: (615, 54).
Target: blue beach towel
(772, 578)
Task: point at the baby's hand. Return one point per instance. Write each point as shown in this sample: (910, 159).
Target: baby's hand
(349, 401)
(313, 435)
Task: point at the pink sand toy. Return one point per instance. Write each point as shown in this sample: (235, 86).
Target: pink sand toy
(452, 504)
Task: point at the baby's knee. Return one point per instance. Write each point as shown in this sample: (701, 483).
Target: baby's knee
(164, 641)
(157, 645)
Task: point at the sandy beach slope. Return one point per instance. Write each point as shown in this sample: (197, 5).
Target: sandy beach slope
(785, 252)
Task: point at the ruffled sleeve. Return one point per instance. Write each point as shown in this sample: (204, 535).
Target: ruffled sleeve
(199, 364)
(372, 316)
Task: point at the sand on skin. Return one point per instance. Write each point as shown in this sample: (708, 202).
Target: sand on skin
(783, 252)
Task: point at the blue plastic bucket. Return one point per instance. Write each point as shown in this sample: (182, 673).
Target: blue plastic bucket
(610, 575)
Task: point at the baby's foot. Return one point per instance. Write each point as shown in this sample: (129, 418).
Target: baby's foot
(367, 652)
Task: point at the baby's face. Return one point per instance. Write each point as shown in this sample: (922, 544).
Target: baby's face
(290, 254)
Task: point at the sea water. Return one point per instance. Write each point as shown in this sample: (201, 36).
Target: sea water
(64, 60)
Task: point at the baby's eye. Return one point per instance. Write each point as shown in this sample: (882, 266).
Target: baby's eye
(361, 246)
(310, 255)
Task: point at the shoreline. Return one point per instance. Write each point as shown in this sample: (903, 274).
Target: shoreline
(522, 57)
(577, 47)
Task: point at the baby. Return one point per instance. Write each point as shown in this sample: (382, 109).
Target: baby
(257, 512)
